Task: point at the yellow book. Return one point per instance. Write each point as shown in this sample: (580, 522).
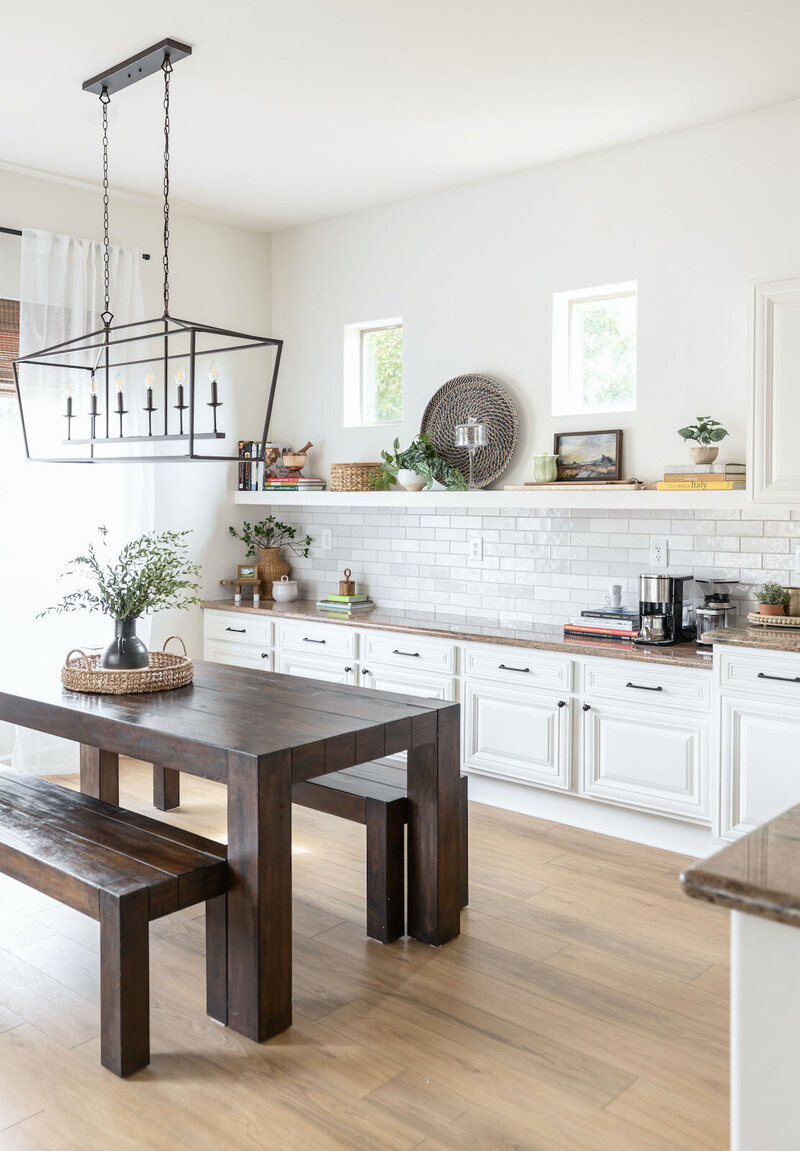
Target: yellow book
(701, 486)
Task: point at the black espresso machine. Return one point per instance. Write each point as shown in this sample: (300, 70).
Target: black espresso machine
(661, 609)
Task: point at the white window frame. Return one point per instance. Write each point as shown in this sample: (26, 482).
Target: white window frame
(354, 375)
(567, 389)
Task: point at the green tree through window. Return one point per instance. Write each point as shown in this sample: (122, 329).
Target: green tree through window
(382, 375)
(607, 334)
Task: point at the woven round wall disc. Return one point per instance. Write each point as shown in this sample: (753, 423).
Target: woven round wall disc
(457, 401)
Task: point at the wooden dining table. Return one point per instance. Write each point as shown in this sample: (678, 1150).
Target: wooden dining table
(260, 732)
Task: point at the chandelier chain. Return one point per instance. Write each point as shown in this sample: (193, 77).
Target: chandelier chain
(105, 100)
(167, 70)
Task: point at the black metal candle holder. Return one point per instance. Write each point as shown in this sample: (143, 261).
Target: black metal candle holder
(93, 416)
(181, 407)
(214, 404)
(149, 409)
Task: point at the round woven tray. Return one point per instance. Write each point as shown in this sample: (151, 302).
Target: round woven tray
(166, 671)
(759, 620)
(456, 402)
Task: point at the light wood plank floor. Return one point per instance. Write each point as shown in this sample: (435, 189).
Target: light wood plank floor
(584, 1008)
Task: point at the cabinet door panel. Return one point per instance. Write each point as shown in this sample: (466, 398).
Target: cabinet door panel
(517, 735)
(776, 407)
(238, 654)
(760, 769)
(647, 759)
(330, 670)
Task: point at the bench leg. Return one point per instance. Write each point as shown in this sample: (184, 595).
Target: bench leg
(217, 958)
(385, 869)
(464, 859)
(124, 981)
(166, 788)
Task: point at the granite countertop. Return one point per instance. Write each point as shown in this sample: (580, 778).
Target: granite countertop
(450, 627)
(759, 874)
(768, 638)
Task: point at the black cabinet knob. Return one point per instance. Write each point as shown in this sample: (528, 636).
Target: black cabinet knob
(585, 706)
(562, 703)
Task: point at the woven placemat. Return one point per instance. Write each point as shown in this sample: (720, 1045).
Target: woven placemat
(478, 397)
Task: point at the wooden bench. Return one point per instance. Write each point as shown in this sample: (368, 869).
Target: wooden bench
(374, 794)
(124, 870)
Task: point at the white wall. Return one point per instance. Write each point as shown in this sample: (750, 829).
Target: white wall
(219, 274)
(695, 217)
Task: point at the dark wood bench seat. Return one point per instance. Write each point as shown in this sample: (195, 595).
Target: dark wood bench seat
(375, 794)
(122, 869)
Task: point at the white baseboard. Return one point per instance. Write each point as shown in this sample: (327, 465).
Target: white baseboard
(653, 830)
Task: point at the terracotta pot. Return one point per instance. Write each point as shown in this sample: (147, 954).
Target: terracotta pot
(772, 609)
(270, 567)
(703, 455)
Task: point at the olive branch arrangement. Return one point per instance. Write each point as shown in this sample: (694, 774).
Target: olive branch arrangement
(270, 533)
(149, 574)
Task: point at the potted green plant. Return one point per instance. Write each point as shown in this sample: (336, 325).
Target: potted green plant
(265, 539)
(772, 599)
(706, 434)
(416, 467)
(150, 574)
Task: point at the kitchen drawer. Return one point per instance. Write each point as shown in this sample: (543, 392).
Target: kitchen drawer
(412, 651)
(422, 684)
(518, 666)
(238, 654)
(238, 627)
(332, 670)
(772, 675)
(650, 685)
(322, 638)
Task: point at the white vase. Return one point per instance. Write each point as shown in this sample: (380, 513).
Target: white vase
(703, 454)
(410, 480)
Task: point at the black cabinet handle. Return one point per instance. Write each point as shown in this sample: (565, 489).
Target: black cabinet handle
(585, 706)
(239, 629)
(414, 654)
(505, 668)
(307, 640)
(562, 703)
(782, 678)
(365, 671)
(348, 669)
(644, 687)
(265, 655)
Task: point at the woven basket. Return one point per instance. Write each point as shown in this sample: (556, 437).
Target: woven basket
(481, 398)
(166, 671)
(352, 477)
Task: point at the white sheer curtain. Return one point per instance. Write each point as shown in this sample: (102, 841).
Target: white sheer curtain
(51, 511)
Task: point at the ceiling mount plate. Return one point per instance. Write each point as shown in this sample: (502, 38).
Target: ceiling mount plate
(137, 67)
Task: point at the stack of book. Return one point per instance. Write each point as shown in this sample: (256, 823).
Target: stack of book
(346, 605)
(605, 623)
(249, 465)
(293, 484)
(714, 477)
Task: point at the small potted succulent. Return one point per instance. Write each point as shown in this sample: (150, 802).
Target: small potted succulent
(706, 434)
(772, 599)
(265, 539)
(150, 574)
(416, 467)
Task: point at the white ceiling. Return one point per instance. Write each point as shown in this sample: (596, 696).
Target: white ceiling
(300, 109)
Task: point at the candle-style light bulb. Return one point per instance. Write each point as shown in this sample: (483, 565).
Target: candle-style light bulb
(213, 371)
(119, 382)
(180, 375)
(94, 386)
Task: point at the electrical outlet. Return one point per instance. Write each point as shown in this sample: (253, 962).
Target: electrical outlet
(658, 552)
(476, 549)
(326, 541)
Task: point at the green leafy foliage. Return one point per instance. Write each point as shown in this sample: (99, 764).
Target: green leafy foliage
(705, 432)
(270, 533)
(421, 457)
(772, 592)
(384, 368)
(150, 574)
(609, 357)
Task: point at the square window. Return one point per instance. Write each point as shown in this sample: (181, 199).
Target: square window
(594, 350)
(373, 373)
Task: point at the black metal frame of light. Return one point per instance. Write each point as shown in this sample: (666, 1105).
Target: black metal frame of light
(97, 348)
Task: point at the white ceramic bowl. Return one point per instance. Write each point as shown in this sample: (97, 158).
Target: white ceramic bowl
(284, 590)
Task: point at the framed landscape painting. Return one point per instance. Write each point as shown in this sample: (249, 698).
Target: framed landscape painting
(593, 456)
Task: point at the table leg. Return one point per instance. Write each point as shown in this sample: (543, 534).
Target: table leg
(434, 839)
(100, 773)
(259, 894)
(166, 788)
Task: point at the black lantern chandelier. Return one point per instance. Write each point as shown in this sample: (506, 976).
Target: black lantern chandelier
(183, 375)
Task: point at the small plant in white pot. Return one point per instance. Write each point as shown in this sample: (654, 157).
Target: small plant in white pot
(705, 434)
(772, 599)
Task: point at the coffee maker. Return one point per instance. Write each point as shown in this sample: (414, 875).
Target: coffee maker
(661, 609)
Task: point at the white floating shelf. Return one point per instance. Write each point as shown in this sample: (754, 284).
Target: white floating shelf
(499, 499)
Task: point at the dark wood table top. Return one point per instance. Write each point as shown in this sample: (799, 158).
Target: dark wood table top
(229, 709)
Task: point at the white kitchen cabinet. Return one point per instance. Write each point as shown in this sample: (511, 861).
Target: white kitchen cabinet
(776, 397)
(517, 734)
(760, 762)
(333, 670)
(425, 685)
(238, 654)
(647, 757)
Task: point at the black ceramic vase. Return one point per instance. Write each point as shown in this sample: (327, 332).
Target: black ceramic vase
(126, 651)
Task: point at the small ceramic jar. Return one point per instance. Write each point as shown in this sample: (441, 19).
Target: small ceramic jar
(545, 468)
(410, 480)
(284, 590)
